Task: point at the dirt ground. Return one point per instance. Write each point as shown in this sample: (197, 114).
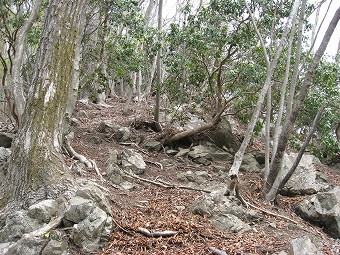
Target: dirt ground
(164, 209)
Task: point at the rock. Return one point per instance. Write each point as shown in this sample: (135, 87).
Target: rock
(91, 192)
(171, 152)
(306, 180)
(323, 209)
(250, 164)
(230, 223)
(260, 157)
(16, 225)
(115, 174)
(122, 134)
(223, 136)
(4, 153)
(133, 161)
(55, 247)
(152, 145)
(6, 139)
(87, 234)
(182, 152)
(113, 157)
(28, 245)
(44, 210)
(127, 185)
(78, 209)
(200, 151)
(220, 155)
(5, 246)
(108, 126)
(303, 246)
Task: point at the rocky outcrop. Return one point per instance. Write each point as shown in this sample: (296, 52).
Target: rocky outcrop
(132, 160)
(306, 179)
(87, 217)
(120, 134)
(226, 213)
(323, 209)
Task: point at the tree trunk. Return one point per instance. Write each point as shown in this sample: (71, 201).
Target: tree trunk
(17, 87)
(288, 127)
(279, 184)
(36, 168)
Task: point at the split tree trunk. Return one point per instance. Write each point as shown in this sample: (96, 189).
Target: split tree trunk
(36, 168)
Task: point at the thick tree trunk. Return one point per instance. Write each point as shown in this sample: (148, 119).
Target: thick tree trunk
(36, 168)
(288, 127)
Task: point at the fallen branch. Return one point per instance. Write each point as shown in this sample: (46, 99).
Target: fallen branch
(155, 163)
(167, 233)
(46, 228)
(164, 184)
(216, 251)
(272, 214)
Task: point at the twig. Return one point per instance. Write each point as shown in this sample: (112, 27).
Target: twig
(272, 214)
(155, 163)
(167, 233)
(216, 251)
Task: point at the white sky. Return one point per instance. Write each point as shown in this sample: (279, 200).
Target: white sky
(170, 9)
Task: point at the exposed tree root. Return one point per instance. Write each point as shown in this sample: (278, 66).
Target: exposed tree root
(88, 162)
(164, 184)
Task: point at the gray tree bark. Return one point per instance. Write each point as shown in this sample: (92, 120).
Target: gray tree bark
(307, 82)
(36, 169)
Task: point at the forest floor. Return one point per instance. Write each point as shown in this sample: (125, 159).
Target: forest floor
(157, 208)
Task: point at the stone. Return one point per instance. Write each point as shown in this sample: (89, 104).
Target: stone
(171, 152)
(182, 152)
(4, 247)
(323, 209)
(4, 153)
(108, 126)
(127, 185)
(199, 151)
(6, 139)
(152, 145)
(44, 210)
(122, 134)
(55, 247)
(16, 225)
(28, 245)
(222, 156)
(230, 223)
(115, 174)
(223, 136)
(306, 180)
(133, 161)
(91, 192)
(88, 233)
(302, 246)
(78, 208)
(250, 164)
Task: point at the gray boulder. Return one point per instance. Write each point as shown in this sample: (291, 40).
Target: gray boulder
(78, 208)
(108, 126)
(152, 145)
(323, 209)
(250, 164)
(88, 233)
(16, 225)
(28, 245)
(230, 223)
(306, 180)
(302, 246)
(4, 247)
(55, 247)
(227, 213)
(93, 193)
(223, 136)
(133, 161)
(44, 210)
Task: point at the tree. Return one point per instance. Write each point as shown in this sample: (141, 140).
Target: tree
(272, 183)
(36, 168)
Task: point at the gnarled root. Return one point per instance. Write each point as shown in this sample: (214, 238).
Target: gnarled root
(88, 162)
